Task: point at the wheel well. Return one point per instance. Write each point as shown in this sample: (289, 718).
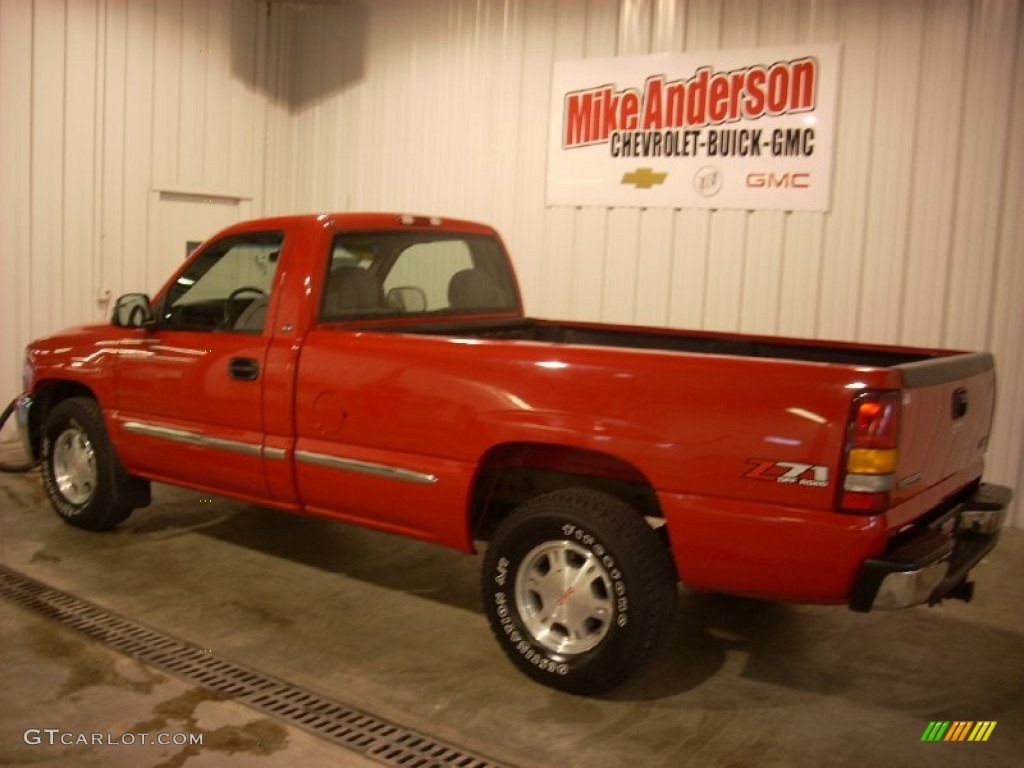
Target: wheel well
(510, 474)
(46, 396)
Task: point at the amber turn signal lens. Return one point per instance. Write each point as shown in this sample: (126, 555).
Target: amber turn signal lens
(871, 461)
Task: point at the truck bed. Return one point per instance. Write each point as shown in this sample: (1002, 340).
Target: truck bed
(634, 337)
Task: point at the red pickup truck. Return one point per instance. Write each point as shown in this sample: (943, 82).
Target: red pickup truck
(378, 369)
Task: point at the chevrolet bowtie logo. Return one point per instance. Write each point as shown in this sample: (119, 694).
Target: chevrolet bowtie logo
(643, 178)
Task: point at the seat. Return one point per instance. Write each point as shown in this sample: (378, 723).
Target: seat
(352, 291)
(473, 288)
(254, 316)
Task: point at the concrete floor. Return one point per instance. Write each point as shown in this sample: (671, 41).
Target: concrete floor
(396, 628)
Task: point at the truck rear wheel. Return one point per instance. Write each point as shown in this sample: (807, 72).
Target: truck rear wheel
(579, 590)
(79, 466)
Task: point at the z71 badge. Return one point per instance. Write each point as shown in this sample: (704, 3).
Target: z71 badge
(788, 473)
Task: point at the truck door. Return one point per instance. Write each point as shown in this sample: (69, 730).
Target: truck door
(376, 441)
(190, 392)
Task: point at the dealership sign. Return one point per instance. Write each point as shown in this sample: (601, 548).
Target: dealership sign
(747, 129)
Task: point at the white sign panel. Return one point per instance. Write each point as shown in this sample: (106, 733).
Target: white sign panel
(749, 129)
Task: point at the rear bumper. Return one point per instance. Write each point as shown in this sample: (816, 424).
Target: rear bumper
(935, 561)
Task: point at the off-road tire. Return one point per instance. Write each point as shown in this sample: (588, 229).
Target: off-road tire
(80, 469)
(579, 590)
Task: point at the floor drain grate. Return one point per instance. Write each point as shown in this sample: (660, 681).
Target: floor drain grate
(384, 741)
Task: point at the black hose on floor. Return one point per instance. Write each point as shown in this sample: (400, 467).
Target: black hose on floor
(5, 467)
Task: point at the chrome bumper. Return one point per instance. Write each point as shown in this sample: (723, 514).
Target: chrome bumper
(22, 408)
(934, 562)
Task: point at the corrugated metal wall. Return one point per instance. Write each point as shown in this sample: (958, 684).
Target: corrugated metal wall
(107, 109)
(441, 106)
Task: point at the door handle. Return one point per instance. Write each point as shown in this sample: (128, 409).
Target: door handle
(959, 404)
(243, 369)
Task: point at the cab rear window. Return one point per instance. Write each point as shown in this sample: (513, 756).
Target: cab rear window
(389, 274)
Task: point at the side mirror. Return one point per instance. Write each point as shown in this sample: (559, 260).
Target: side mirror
(132, 310)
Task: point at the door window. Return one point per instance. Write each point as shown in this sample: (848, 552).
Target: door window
(226, 287)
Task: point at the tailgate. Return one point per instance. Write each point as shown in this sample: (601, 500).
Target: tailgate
(945, 419)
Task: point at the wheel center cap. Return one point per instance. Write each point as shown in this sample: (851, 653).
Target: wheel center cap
(564, 597)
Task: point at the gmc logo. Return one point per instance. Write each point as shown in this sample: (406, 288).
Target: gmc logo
(779, 180)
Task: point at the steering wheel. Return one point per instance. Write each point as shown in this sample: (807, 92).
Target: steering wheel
(229, 304)
(233, 296)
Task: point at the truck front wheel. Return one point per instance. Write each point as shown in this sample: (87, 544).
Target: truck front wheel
(579, 590)
(79, 466)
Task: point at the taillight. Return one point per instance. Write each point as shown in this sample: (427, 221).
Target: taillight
(871, 453)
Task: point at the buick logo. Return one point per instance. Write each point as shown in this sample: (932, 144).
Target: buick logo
(707, 181)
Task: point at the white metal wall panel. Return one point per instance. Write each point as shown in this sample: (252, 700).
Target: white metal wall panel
(840, 288)
(188, 50)
(167, 89)
(442, 107)
(80, 180)
(653, 282)
(532, 36)
(761, 279)
(802, 257)
(15, 189)
(553, 277)
(46, 175)
(112, 139)
(690, 248)
(1006, 453)
(804, 241)
(889, 170)
(926, 258)
(994, 31)
(129, 179)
